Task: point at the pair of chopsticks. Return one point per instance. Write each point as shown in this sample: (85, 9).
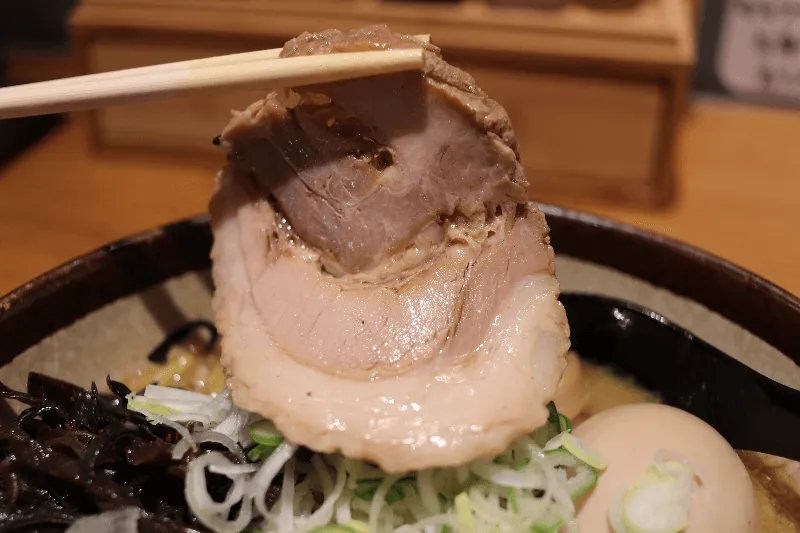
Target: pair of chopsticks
(262, 69)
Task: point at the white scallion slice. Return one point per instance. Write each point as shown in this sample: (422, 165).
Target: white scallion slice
(530, 477)
(179, 406)
(673, 467)
(336, 528)
(573, 445)
(358, 526)
(159, 392)
(145, 406)
(183, 446)
(265, 433)
(583, 481)
(325, 512)
(548, 524)
(182, 406)
(583, 477)
(259, 484)
(670, 470)
(216, 515)
(656, 507)
(464, 515)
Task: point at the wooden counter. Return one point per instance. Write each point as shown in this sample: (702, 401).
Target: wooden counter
(738, 178)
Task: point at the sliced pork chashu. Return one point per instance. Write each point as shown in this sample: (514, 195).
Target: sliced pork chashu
(383, 287)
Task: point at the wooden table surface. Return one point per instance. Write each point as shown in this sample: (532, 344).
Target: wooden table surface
(738, 179)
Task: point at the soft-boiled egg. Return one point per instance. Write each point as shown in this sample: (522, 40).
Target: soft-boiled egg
(628, 438)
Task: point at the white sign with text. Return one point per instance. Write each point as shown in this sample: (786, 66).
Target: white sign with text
(758, 51)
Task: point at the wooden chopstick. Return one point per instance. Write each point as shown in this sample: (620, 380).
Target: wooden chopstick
(162, 81)
(231, 59)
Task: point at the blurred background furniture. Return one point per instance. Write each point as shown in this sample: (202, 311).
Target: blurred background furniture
(594, 91)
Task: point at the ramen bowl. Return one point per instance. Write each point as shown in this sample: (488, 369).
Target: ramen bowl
(96, 314)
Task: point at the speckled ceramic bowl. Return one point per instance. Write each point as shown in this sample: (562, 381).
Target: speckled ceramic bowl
(99, 312)
(112, 305)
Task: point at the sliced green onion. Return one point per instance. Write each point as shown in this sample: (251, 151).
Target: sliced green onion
(522, 465)
(521, 490)
(672, 468)
(366, 488)
(337, 528)
(564, 423)
(581, 477)
(654, 475)
(264, 432)
(160, 392)
(658, 502)
(550, 429)
(553, 417)
(582, 482)
(144, 406)
(549, 524)
(512, 499)
(573, 445)
(656, 507)
(358, 526)
(464, 514)
(260, 452)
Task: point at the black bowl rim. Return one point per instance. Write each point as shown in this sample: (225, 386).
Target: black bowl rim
(76, 288)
